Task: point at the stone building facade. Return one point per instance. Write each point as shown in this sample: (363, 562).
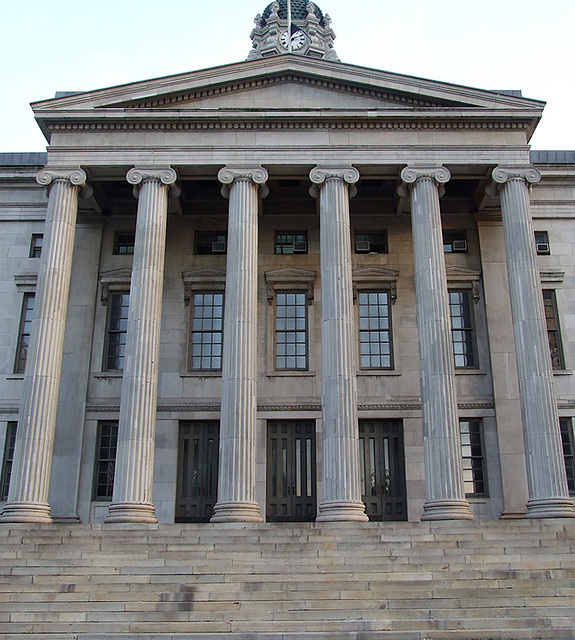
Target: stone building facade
(287, 289)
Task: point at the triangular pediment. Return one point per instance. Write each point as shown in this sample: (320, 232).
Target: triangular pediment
(285, 82)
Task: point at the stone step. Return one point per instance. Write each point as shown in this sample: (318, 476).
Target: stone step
(427, 581)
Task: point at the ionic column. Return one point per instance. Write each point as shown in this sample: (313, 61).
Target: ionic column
(441, 436)
(237, 465)
(132, 498)
(30, 481)
(548, 491)
(341, 475)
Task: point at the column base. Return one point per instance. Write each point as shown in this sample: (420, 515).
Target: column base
(27, 512)
(131, 512)
(342, 512)
(550, 508)
(447, 510)
(237, 512)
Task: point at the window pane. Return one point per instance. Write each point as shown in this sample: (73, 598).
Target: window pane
(8, 459)
(207, 331)
(374, 315)
(291, 242)
(473, 462)
(462, 333)
(568, 442)
(291, 331)
(117, 331)
(24, 336)
(553, 332)
(106, 446)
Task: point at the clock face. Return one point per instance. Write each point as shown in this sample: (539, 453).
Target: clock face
(297, 40)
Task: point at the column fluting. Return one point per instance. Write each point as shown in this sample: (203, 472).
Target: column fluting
(340, 435)
(30, 480)
(133, 481)
(445, 495)
(237, 464)
(547, 482)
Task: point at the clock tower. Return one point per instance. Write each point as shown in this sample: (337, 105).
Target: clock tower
(307, 32)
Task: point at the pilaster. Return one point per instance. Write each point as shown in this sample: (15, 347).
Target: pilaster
(441, 436)
(237, 465)
(30, 481)
(132, 498)
(341, 476)
(547, 482)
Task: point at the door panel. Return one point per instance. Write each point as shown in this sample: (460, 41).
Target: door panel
(382, 465)
(197, 486)
(291, 474)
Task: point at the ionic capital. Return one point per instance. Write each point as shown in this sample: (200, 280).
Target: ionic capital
(528, 173)
(320, 175)
(256, 174)
(502, 175)
(163, 175)
(411, 174)
(76, 177)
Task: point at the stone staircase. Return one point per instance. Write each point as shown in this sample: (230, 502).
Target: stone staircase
(375, 581)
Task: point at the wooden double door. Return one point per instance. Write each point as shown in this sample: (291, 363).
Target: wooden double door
(291, 471)
(197, 485)
(382, 468)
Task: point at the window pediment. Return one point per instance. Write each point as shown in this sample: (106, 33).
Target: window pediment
(206, 278)
(464, 276)
(375, 276)
(288, 277)
(114, 280)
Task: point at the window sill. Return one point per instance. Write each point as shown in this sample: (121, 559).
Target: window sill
(201, 374)
(470, 372)
(290, 374)
(108, 374)
(15, 376)
(378, 372)
(562, 372)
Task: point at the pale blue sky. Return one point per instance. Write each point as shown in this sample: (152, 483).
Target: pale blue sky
(70, 45)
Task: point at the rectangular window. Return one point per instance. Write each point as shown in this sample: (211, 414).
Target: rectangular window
(106, 447)
(36, 245)
(542, 243)
(454, 242)
(124, 244)
(291, 330)
(474, 474)
(288, 242)
(8, 460)
(117, 331)
(568, 442)
(207, 331)
(371, 242)
(375, 330)
(212, 242)
(462, 333)
(553, 332)
(24, 335)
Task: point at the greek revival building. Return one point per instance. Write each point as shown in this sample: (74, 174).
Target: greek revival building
(287, 289)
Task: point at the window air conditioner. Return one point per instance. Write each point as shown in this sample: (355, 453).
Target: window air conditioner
(362, 246)
(300, 247)
(218, 247)
(459, 245)
(542, 247)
